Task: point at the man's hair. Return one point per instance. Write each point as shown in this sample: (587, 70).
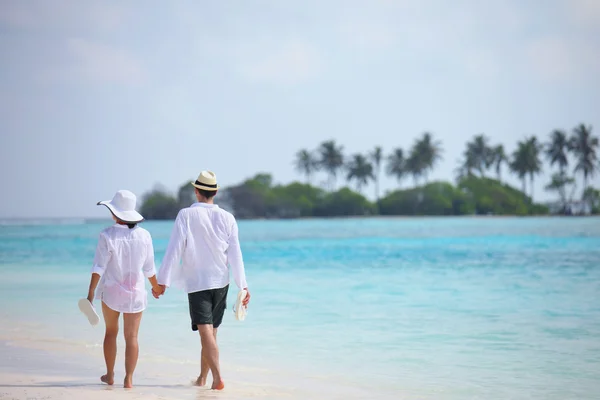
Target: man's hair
(207, 193)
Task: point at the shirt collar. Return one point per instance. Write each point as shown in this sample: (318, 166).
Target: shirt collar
(206, 205)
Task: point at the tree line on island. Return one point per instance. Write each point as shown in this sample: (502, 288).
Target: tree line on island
(473, 193)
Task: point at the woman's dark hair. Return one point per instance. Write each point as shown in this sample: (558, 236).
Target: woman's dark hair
(130, 225)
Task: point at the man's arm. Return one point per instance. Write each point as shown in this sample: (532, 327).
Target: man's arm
(235, 260)
(174, 251)
(100, 261)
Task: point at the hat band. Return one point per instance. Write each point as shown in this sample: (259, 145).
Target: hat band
(205, 184)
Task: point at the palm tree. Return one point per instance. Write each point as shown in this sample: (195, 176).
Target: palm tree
(534, 164)
(557, 149)
(479, 154)
(360, 170)
(519, 163)
(306, 164)
(592, 197)
(499, 158)
(466, 167)
(559, 184)
(414, 166)
(424, 155)
(376, 157)
(396, 164)
(332, 159)
(584, 145)
(464, 170)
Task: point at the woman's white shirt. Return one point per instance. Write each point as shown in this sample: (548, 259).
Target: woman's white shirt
(124, 257)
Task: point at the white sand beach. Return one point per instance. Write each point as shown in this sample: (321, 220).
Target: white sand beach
(34, 369)
(38, 387)
(29, 372)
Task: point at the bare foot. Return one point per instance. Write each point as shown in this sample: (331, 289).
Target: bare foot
(108, 379)
(218, 385)
(127, 382)
(201, 381)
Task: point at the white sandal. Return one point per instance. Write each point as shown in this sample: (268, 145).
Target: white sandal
(240, 310)
(89, 311)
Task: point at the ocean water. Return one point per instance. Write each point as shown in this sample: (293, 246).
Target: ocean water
(428, 308)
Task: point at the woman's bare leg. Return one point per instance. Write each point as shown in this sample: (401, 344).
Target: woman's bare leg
(111, 319)
(131, 323)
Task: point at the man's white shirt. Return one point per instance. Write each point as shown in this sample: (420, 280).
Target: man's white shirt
(205, 239)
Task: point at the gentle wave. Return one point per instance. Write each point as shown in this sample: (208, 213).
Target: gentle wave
(44, 221)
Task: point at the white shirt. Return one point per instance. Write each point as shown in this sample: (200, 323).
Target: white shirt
(123, 258)
(206, 237)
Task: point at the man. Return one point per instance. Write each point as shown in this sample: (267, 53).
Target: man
(206, 237)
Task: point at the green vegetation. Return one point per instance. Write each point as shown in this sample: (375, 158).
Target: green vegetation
(592, 197)
(259, 198)
(437, 198)
(158, 204)
(474, 192)
(490, 196)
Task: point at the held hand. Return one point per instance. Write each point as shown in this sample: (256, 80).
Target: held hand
(247, 299)
(158, 291)
(90, 297)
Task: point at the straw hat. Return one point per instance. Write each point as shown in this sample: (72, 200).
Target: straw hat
(207, 180)
(122, 206)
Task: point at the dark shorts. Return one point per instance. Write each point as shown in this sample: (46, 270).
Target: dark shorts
(207, 307)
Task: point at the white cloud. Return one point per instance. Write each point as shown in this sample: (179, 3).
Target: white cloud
(14, 14)
(558, 59)
(294, 62)
(104, 63)
(367, 34)
(584, 11)
(482, 64)
(62, 15)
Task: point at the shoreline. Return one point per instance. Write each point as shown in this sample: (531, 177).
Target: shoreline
(15, 222)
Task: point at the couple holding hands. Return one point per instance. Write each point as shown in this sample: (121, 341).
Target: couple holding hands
(203, 247)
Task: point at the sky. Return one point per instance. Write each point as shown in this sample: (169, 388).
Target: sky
(97, 96)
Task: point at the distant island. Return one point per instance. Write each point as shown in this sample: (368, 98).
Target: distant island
(473, 193)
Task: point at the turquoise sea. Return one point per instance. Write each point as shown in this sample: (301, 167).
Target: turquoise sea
(427, 308)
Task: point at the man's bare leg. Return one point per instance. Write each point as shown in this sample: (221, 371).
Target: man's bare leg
(111, 319)
(204, 368)
(210, 352)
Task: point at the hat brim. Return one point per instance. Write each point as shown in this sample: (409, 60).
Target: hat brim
(125, 216)
(208, 188)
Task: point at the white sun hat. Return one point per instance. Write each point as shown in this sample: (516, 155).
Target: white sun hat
(207, 180)
(122, 206)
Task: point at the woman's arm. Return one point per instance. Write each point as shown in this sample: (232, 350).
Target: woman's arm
(100, 261)
(174, 250)
(93, 285)
(156, 289)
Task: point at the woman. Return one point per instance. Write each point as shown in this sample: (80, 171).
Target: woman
(123, 257)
